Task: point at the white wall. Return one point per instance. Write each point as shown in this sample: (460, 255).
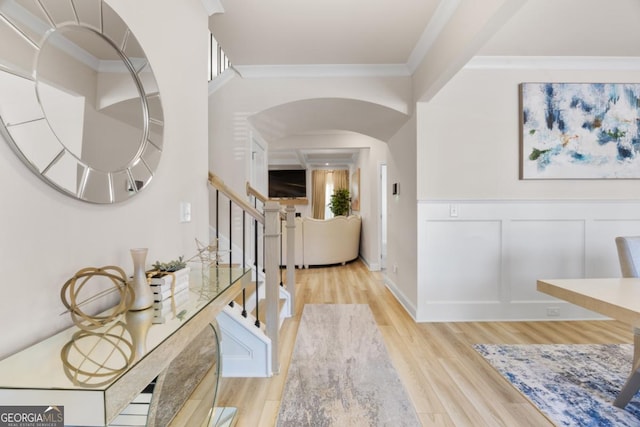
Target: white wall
(47, 237)
(483, 263)
(471, 137)
(368, 162)
(229, 130)
(238, 99)
(401, 276)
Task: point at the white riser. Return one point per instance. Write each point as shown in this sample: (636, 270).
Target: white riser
(246, 350)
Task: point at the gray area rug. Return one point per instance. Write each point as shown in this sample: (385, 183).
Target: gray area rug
(572, 384)
(341, 374)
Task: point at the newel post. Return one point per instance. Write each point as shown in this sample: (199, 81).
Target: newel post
(272, 286)
(291, 255)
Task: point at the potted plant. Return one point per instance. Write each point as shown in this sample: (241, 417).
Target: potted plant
(167, 278)
(340, 202)
(171, 266)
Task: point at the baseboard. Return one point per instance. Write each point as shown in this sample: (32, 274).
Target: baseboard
(494, 311)
(406, 304)
(370, 266)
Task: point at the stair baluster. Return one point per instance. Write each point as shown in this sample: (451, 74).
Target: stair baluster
(266, 215)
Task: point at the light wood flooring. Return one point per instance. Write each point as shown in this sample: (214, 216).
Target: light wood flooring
(448, 382)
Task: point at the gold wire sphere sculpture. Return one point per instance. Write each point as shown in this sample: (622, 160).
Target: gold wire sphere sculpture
(71, 290)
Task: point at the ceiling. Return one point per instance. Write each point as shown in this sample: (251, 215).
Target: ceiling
(301, 157)
(276, 32)
(395, 36)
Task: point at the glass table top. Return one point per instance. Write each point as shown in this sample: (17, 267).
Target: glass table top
(77, 359)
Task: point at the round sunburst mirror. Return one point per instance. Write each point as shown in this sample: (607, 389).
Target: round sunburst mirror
(79, 103)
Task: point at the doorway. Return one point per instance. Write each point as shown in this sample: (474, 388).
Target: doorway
(258, 166)
(383, 216)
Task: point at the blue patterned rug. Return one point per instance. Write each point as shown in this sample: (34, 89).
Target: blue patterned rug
(573, 385)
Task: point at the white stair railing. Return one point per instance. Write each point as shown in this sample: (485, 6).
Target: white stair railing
(270, 219)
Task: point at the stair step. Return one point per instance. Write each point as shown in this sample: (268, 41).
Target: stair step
(262, 309)
(227, 265)
(250, 294)
(263, 312)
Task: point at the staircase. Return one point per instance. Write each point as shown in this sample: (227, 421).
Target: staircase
(249, 327)
(246, 348)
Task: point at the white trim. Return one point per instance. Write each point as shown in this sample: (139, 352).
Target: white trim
(404, 301)
(383, 219)
(212, 6)
(371, 267)
(440, 18)
(554, 63)
(522, 311)
(525, 201)
(221, 80)
(323, 70)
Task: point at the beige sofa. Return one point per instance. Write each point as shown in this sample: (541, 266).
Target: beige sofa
(324, 241)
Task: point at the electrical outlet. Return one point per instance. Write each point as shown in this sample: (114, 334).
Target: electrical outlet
(395, 268)
(553, 312)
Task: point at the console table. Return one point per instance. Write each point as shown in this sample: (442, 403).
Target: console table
(54, 371)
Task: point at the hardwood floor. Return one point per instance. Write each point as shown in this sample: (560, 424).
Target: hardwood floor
(448, 382)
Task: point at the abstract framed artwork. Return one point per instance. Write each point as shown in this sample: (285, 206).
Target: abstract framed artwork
(579, 130)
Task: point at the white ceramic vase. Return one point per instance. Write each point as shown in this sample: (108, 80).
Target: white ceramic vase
(142, 293)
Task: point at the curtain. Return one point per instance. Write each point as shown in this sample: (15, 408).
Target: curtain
(340, 179)
(318, 202)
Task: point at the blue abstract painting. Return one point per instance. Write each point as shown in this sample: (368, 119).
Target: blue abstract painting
(580, 130)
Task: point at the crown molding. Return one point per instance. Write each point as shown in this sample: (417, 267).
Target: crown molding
(212, 6)
(477, 62)
(221, 80)
(614, 63)
(323, 70)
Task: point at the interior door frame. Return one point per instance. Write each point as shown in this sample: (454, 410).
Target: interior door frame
(382, 197)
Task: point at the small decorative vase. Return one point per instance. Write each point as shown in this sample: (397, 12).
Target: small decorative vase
(142, 293)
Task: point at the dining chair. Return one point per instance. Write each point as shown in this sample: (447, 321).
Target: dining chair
(629, 255)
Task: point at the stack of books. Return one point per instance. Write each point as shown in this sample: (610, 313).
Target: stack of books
(163, 287)
(170, 308)
(169, 297)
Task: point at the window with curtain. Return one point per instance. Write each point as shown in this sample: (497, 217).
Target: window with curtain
(328, 191)
(323, 183)
(318, 193)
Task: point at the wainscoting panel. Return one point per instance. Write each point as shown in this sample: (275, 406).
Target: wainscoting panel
(542, 249)
(479, 260)
(464, 260)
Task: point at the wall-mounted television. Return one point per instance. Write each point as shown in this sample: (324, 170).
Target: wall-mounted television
(288, 183)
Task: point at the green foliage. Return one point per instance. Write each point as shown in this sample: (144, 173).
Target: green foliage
(340, 201)
(171, 266)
